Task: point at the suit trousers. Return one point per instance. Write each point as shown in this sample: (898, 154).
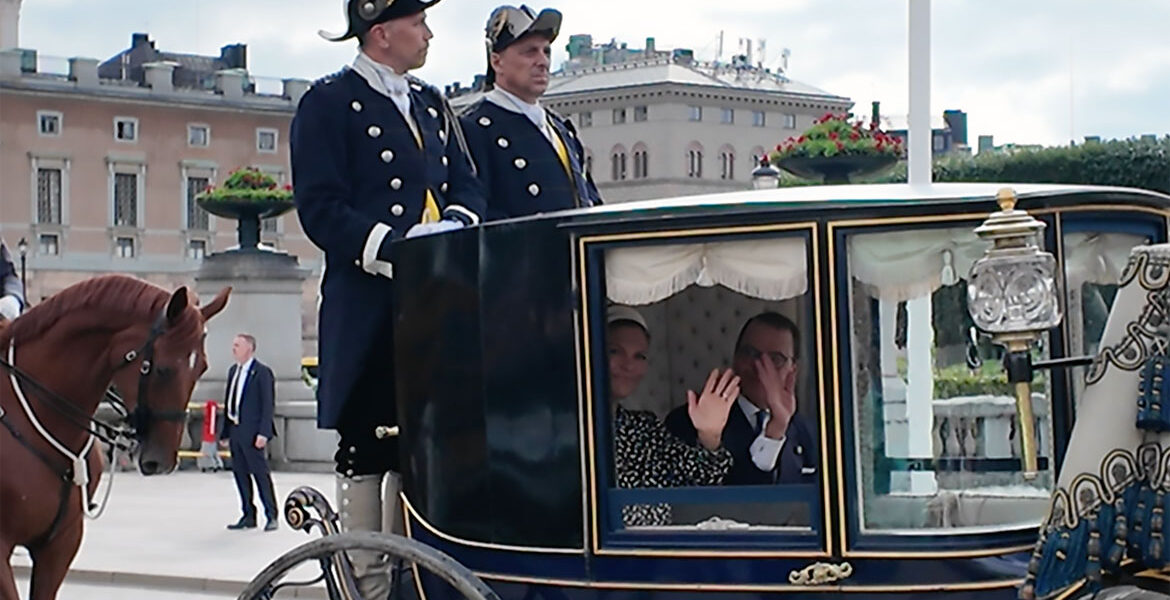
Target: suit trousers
(249, 463)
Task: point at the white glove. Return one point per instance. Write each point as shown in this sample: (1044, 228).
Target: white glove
(437, 227)
(9, 308)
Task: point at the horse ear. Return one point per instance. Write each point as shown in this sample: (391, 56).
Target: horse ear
(216, 303)
(177, 304)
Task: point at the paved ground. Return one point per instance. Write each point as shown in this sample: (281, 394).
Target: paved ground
(111, 591)
(167, 534)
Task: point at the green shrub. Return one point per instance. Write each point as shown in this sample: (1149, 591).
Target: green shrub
(1135, 163)
(958, 380)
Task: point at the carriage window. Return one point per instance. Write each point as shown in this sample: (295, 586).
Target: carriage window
(1093, 265)
(687, 456)
(934, 436)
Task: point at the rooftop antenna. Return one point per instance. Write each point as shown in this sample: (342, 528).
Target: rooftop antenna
(784, 54)
(761, 43)
(719, 53)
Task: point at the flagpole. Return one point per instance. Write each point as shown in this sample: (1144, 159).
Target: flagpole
(919, 144)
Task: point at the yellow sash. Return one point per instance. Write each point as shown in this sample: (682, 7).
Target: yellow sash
(430, 212)
(562, 151)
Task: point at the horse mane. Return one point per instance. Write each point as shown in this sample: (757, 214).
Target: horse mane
(110, 294)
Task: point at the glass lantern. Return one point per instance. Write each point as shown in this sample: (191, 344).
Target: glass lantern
(1012, 294)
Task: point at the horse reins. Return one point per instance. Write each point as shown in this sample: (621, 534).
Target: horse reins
(132, 424)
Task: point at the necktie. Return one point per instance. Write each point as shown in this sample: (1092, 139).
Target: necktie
(761, 419)
(233, 407)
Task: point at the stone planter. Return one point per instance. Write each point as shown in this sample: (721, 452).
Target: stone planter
(836, 169)
(247, 212)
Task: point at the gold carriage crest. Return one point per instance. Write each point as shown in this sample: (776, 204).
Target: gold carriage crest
(820, 573)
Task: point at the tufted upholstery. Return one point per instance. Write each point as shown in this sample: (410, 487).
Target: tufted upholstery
(694, 331)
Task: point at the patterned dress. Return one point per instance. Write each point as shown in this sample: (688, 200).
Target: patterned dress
(647, 456)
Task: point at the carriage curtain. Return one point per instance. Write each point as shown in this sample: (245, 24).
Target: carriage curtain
(894, 265)
(901, 265)
(769, 269)
(1097, 257)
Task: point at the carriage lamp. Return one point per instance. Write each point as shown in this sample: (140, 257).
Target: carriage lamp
(1012, 295)
(765, 176)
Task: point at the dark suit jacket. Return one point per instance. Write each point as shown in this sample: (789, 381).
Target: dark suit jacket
(797, 462)
(257, 404)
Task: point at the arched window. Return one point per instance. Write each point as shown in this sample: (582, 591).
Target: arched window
(727, 163)
(641, 161)
(695, 160)
(617, 158)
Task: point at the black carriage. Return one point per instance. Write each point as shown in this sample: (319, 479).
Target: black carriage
(916, 486)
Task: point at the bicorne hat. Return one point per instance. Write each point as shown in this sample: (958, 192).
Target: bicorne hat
(508, 24)
(364, 14)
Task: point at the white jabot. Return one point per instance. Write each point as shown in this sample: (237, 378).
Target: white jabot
(386, 82)
(764, 450)
(512, 103)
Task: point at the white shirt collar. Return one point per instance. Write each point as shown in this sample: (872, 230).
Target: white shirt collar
(247, 365)
(380, 77)
(511, 102)
(748, 409)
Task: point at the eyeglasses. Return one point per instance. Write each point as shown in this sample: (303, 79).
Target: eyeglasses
(779, 359)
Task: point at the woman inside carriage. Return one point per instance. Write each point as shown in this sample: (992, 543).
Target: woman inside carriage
(645, 453)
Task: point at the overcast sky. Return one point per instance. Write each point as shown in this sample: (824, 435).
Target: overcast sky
(1026, 71)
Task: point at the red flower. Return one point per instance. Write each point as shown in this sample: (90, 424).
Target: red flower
(840, 146)
(854, 136)
(833, 135)
(288, 187)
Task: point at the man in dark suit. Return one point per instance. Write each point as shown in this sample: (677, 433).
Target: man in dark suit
(377, 156)
(250, 399)
(769, 442)
(528, 157)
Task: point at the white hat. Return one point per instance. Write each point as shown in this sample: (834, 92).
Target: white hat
(619, 312)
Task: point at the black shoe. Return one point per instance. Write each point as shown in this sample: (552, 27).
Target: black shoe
(243, 523)
(271, 525)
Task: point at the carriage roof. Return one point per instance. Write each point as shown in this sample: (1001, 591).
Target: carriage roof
(844, 196)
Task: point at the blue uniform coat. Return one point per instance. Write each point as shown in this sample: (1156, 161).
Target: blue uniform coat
(360, 181)
(519, 165)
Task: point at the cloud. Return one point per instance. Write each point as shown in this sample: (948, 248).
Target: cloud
(1025, 72)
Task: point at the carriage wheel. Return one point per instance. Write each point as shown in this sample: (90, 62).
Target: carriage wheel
(329, 553)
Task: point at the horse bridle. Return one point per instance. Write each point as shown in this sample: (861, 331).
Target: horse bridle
(141, 418)
(132, 426)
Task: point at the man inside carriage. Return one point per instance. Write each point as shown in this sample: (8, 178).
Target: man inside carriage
(769, 441)
(12, 301)
(377, 155)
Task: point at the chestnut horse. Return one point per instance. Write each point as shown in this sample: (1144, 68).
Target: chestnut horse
(58, 360)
